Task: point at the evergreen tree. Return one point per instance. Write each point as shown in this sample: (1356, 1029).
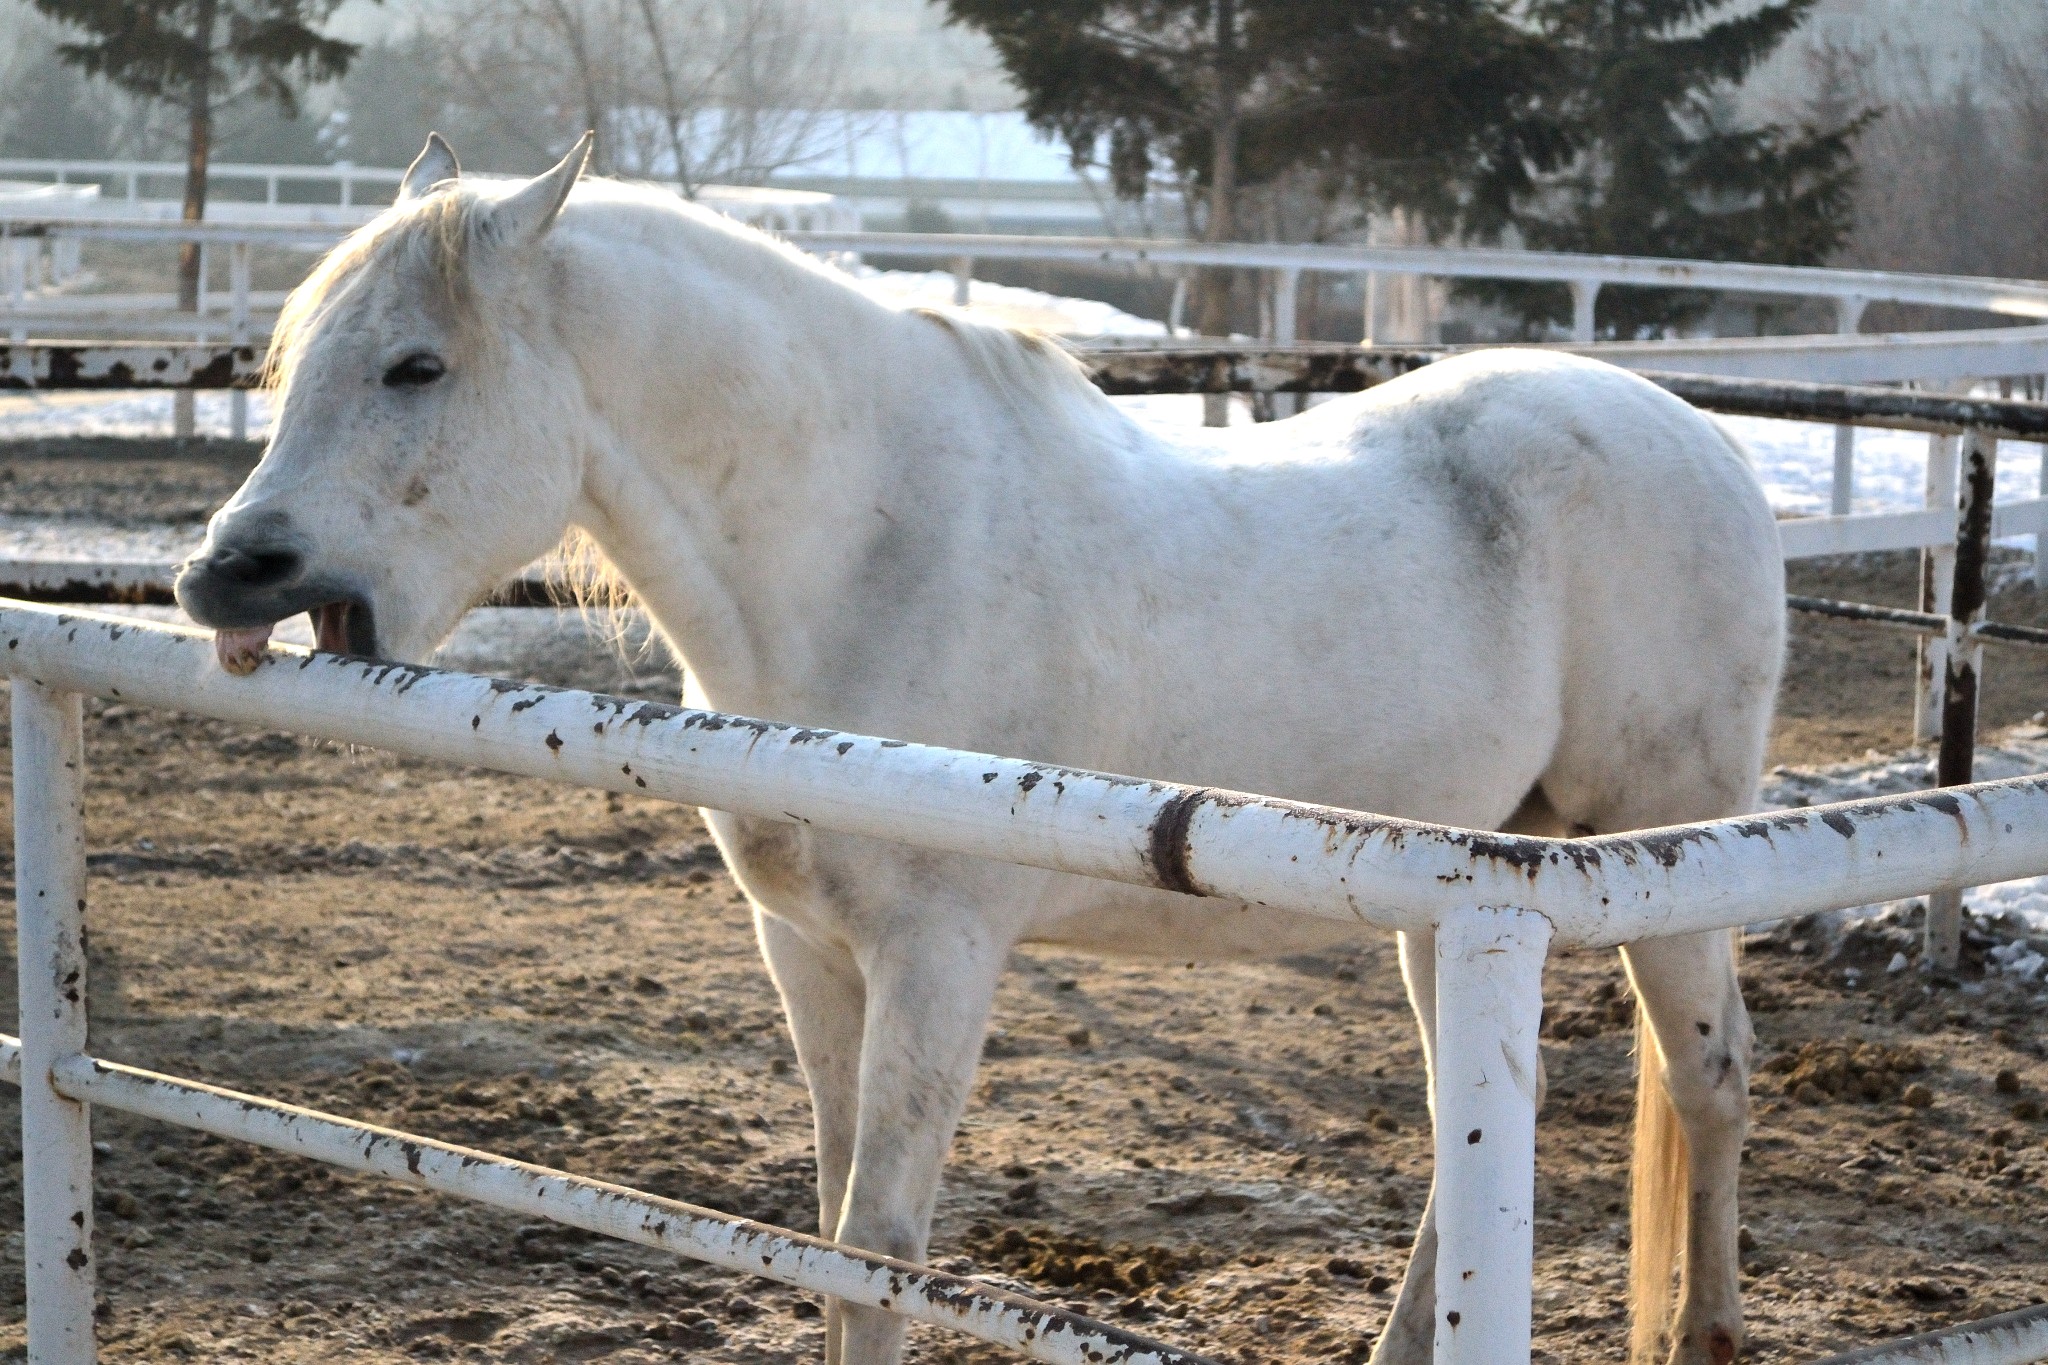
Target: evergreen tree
(50, 109)
(1434, 105)
(1661, 170)
(201, 55)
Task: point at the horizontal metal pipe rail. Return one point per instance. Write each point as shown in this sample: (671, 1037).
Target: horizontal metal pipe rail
(1123, 370)
(1037, 1330)
(1921, 623)
(1345, 865)
(2017, 1338)
(2017, 298)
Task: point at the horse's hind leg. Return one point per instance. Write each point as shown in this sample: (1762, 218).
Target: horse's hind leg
(1688, 1154)
(824, 1000)
(1692, 1096)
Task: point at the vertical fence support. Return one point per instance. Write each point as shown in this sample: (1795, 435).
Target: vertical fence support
(1963, 669)
(238, 333)
(1489, 1006)
(1372, 321)
(1937, 579)
(1585, 293)
(14, 278)
(56, 1133)
(2041, 539)
(184, 403)
(1286, 303)
(963, 279)
(1842, 493)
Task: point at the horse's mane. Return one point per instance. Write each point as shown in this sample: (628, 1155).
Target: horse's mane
(1025, 365)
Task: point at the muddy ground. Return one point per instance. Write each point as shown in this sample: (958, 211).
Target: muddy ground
(1229, 1157)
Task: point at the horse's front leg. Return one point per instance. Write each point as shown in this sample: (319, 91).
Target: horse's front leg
(929, 988)
(824, 1000)
(1409, 1338)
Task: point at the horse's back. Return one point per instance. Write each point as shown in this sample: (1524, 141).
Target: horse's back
(1479, 557)
(1582, 490)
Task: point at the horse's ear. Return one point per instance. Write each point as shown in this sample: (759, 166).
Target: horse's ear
(435, 163)
(527, 213)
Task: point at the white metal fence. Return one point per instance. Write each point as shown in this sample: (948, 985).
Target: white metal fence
(1851, 291)
(1498, 903)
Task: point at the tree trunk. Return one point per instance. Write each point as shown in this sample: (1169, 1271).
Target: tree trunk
(1212, 313)
(198, 152)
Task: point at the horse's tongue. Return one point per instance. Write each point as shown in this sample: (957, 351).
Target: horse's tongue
(239, 651)
(330, 627)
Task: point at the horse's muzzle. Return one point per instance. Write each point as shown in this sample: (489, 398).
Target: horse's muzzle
(253, 584)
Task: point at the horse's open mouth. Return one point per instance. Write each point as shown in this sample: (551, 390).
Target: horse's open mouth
(345, 627)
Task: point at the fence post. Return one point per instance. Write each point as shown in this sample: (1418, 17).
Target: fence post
(1372, 321)
(2041, 538)
(963, 279)
(14, 268)
(1489, 1006)
(1937, 578)
(1585, 293)
(1842, 494)
(1963, 670)
(238, 333)
(56, 1133)
(1286, 302)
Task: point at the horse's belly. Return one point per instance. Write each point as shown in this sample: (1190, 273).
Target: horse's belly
(1157, 925)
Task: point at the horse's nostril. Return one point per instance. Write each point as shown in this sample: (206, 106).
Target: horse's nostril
(263, 567)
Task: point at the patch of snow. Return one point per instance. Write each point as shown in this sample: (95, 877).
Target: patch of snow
(1007, 303)
(2016, 752)
(39, 416)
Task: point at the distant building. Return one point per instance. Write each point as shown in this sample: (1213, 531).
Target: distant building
(905, 56)
(1905, 50)
(943, 170)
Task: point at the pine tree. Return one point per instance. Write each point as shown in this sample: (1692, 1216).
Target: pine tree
(1661, 170)
(1433, 105)
(200, 55)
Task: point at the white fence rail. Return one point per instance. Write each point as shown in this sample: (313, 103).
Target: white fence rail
(1850, 290)
(130, 176)
(1498, 902)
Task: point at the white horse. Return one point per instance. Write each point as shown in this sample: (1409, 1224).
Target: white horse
(1507, 583)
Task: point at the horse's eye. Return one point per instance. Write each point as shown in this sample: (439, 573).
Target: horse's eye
(421, 367)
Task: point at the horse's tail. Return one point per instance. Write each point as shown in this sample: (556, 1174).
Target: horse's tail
(1660, 1203)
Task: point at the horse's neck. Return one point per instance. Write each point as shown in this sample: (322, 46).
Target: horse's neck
(792, 434)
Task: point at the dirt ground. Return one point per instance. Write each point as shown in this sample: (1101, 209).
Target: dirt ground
(1228, 1157)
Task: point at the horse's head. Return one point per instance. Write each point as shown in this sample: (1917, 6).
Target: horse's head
(426, 440)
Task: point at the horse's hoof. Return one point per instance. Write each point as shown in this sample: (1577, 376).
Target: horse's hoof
(1709, 1346)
